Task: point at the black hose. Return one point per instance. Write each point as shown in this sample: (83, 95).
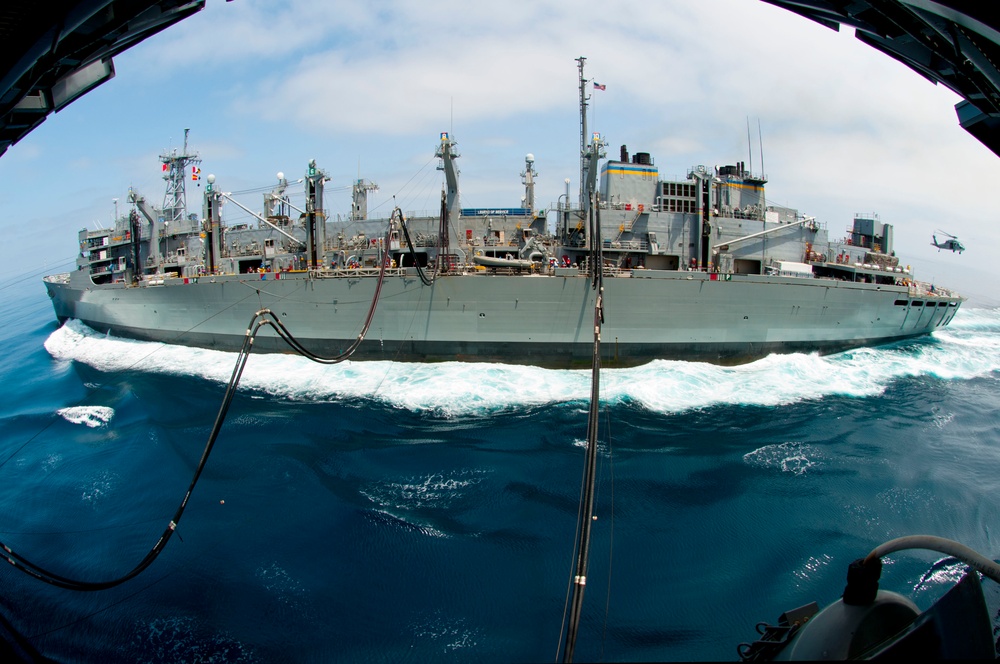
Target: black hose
(297, 346)
(427, 281)
(42, 574)
(586, 509)
(260, 319)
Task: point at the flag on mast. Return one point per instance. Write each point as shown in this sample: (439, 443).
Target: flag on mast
(598, 86)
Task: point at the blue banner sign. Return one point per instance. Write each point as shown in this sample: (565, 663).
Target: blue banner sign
(495, 212)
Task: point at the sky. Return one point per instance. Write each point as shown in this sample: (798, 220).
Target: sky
(366, 88)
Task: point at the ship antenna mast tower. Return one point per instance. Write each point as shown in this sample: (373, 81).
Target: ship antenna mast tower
(583, 130)
(528, 176)
(175, 168)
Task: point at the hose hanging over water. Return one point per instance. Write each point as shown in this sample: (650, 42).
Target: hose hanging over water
(585, 516)
(260, 319)
(23, 564)
(267, 318)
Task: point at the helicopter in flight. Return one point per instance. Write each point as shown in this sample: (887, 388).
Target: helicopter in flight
(951, 244)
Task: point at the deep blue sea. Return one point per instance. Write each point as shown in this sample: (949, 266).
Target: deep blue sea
(394, 512)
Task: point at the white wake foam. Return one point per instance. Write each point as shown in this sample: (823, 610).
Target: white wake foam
(792, 457)
(969, 348)
(92, 416)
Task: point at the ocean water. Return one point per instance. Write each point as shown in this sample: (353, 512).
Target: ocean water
(402, 512)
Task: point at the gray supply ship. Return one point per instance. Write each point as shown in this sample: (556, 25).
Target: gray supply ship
(696, 269)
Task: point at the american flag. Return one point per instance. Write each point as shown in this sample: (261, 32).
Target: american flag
(598, 86)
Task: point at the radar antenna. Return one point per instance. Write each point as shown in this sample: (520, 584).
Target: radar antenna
(175, 168)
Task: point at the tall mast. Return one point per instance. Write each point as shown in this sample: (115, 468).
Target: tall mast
(359, 196)
(583, 130)
(447, 154)
(175, 169)
(528, 180)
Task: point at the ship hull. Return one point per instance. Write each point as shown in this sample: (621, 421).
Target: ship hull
(541, 320)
